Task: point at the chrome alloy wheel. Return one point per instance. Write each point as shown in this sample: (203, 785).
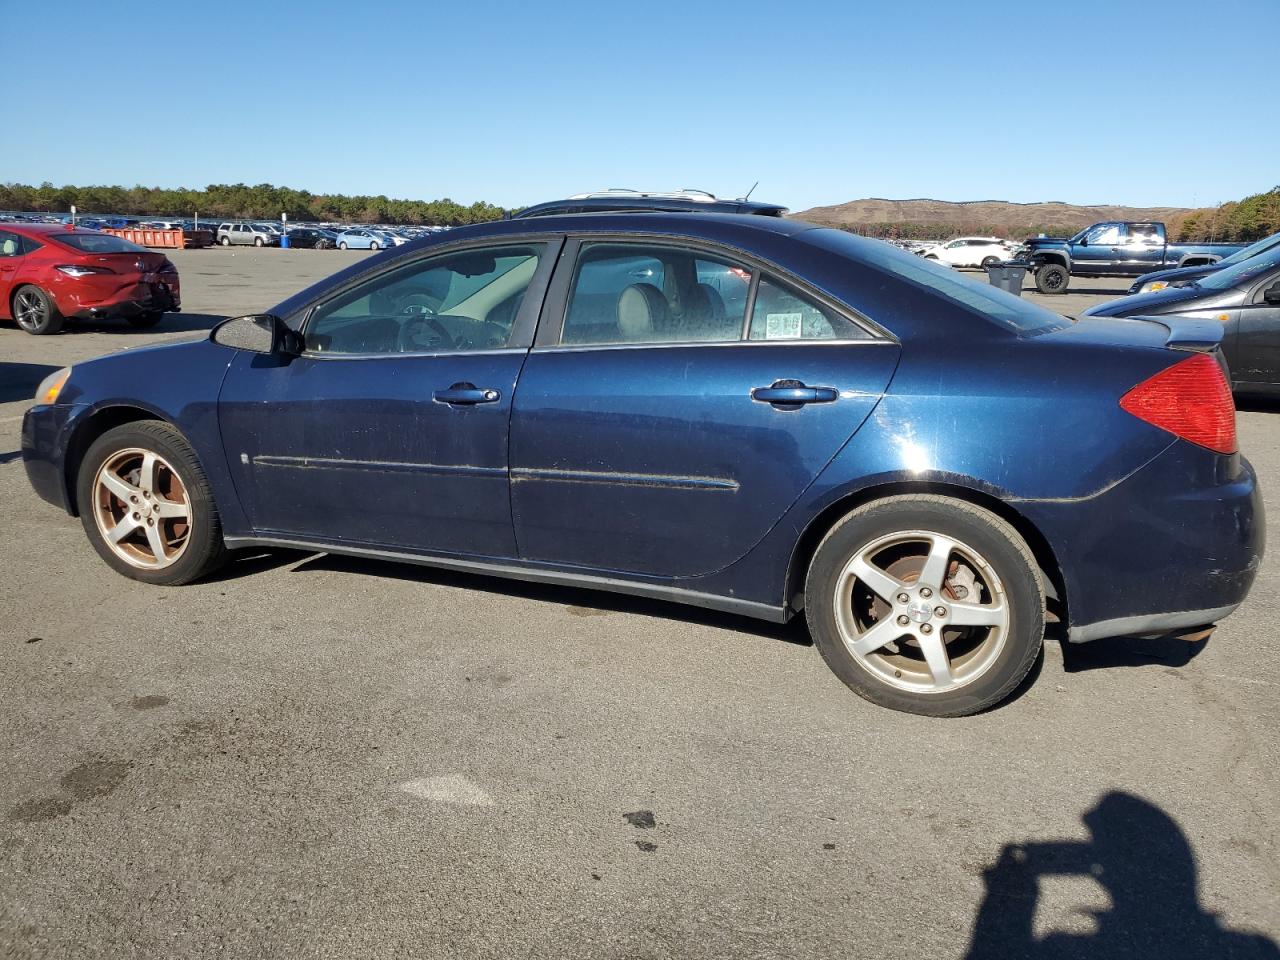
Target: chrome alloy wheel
(921, 611)
(142, 508)
(29, 310)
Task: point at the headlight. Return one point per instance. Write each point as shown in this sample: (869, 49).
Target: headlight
(1154, 286)
(52, 385)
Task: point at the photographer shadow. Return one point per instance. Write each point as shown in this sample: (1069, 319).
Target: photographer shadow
(1142, 859)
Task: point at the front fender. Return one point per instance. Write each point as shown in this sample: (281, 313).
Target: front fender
(1039, 258)
(183, 390)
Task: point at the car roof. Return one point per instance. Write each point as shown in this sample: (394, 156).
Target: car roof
(627, 201)
(635, 221)
(44, 229)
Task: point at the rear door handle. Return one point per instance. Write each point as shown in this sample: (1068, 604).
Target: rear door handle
(466, 394)
(789, 393)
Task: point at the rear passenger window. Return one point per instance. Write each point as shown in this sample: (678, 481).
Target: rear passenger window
(782, 314)
(638, 293)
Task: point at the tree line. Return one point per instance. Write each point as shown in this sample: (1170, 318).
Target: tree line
(238, 201)
(1244, 220)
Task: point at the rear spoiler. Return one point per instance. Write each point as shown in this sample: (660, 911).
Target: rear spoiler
(1185, 333)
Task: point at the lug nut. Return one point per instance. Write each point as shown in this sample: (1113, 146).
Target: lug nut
(133, 499)
(940, 611)
(903, 621)
(151, 521)
(926, 628)
(903, 598)
(926, 592)
(137, 516)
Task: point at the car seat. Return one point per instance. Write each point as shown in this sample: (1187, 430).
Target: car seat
(642, 313)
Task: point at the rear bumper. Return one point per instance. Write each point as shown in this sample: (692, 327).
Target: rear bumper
(94, 302)
(1174, 547)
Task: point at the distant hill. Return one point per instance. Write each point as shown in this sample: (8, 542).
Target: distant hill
(939, 218)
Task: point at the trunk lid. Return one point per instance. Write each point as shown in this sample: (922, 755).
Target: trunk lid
(136, 262)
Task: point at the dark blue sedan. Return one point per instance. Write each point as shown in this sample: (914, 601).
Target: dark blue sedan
(739, 412)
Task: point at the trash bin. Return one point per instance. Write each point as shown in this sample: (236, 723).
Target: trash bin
(1008, 276)
(284, 243)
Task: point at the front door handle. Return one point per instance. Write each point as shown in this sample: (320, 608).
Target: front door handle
(466, 394)
(793, 393)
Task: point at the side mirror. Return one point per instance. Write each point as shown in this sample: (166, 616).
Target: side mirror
(1271, 294)
(257, 333)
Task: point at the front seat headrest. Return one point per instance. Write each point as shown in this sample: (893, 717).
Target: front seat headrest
(642, 312)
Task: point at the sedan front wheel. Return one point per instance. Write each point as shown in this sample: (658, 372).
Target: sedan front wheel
(926, 604)
(146, 505)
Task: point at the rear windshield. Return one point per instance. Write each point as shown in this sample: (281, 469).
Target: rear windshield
(96, 243)
(1009, 311)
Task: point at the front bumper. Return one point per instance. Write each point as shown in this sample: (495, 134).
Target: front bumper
(44, 447)
(1174, 547)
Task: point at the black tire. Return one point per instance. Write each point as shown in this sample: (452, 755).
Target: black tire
(257, 241)
(1052, 278)
(204, 550)
(989, 262)
(35, 312)
(146, 320)
(225, 241)
(374, 246)
(1002, 549)
(342, 245)
(930, 256)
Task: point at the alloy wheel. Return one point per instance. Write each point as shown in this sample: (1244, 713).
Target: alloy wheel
(30, 310)
(142, 508)
(921, 611)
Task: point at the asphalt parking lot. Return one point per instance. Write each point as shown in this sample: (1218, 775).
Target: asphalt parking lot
(325, 757)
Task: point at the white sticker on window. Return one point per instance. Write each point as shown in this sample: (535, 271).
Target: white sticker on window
(782, 326)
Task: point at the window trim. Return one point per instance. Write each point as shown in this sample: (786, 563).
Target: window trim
(522, 327)
(555, 305)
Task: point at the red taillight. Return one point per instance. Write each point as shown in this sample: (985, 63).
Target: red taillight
(1191, 400)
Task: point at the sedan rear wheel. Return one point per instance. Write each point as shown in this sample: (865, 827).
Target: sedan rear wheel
(146, 506)
(35, 311)
(926, 604)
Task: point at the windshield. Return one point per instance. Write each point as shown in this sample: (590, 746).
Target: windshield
(1240, 256)
(96, 243)
(1009, 311)
(1241, 273)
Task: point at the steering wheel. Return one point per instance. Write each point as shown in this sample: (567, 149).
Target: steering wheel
(412, 340)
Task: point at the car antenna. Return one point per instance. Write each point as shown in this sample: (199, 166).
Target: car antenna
(752, 190)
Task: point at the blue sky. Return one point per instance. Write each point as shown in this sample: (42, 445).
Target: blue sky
(1086, 102)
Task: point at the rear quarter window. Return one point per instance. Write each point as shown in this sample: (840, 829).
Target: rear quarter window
(1004, 309)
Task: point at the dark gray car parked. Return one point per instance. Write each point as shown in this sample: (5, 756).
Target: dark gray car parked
(1153, 282)
(1245, 298)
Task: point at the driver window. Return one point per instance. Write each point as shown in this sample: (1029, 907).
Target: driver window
(1105, 233)
(461, 301)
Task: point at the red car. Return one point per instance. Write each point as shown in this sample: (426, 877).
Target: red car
(50, 273)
